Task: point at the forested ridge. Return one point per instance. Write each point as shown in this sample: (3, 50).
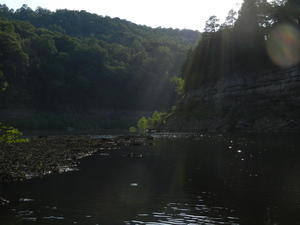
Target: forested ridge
(78, 61)
(263, 36)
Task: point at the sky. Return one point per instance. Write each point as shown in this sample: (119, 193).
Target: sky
(182, 14)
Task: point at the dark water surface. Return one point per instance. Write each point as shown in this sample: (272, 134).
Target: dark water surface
(195, 180)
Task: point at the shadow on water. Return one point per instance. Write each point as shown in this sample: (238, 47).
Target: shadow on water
(191, 180)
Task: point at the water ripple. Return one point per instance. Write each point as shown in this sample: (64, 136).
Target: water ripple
(187, 213)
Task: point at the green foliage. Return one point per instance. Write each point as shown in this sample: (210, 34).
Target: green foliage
(152, 122)
(132, 129)
(10, 135)
(143, 124)
(179, 85)
(156, 119)
(3, 83)
(77, 61)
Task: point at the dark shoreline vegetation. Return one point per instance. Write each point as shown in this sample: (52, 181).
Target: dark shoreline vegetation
(44, 155)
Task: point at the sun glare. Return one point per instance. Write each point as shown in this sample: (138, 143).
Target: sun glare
(283, 45)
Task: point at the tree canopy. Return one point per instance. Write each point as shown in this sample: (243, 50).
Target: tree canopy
(252, 42)
(75, 60)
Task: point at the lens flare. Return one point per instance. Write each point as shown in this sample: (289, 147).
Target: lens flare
(283, 45)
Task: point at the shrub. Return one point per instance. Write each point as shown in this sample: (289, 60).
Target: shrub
(132, 129)
(11, 135)
(179, 85)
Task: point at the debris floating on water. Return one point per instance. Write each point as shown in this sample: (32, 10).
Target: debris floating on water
(4, 201)
(33, 219)
(26, 200)
(25, 213)
(54, 217)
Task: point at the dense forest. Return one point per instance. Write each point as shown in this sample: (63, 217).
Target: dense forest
(78, 61)
(262, 36)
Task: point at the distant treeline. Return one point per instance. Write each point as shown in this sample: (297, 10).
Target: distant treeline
(262, 36)
(76, 61)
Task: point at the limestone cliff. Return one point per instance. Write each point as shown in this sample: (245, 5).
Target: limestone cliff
(261, 102)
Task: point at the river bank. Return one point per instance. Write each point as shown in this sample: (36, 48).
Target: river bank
(48, 154)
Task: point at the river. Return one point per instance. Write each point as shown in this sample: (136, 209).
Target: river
(194, 179)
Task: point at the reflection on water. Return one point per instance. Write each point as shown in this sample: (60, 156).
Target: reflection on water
(190, 211)
(187, 180)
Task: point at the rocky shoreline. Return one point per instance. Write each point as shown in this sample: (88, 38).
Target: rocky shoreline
(48, 154)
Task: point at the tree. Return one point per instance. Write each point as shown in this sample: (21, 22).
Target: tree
(279, 11)
(5, 11)
(279, 2)
(142, 124)
(249, 37)
(3, 82)
(293, 3)
(179, 85)
(293, 8)
(247, 22)
(13, 59)
(212, 24)
(230, 20)
(264, 13)
(11, 135)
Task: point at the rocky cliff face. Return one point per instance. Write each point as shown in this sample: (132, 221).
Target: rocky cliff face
(262, 102)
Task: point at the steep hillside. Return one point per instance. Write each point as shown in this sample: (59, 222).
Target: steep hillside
(244, 76)
(264, 102)
(78, 61)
